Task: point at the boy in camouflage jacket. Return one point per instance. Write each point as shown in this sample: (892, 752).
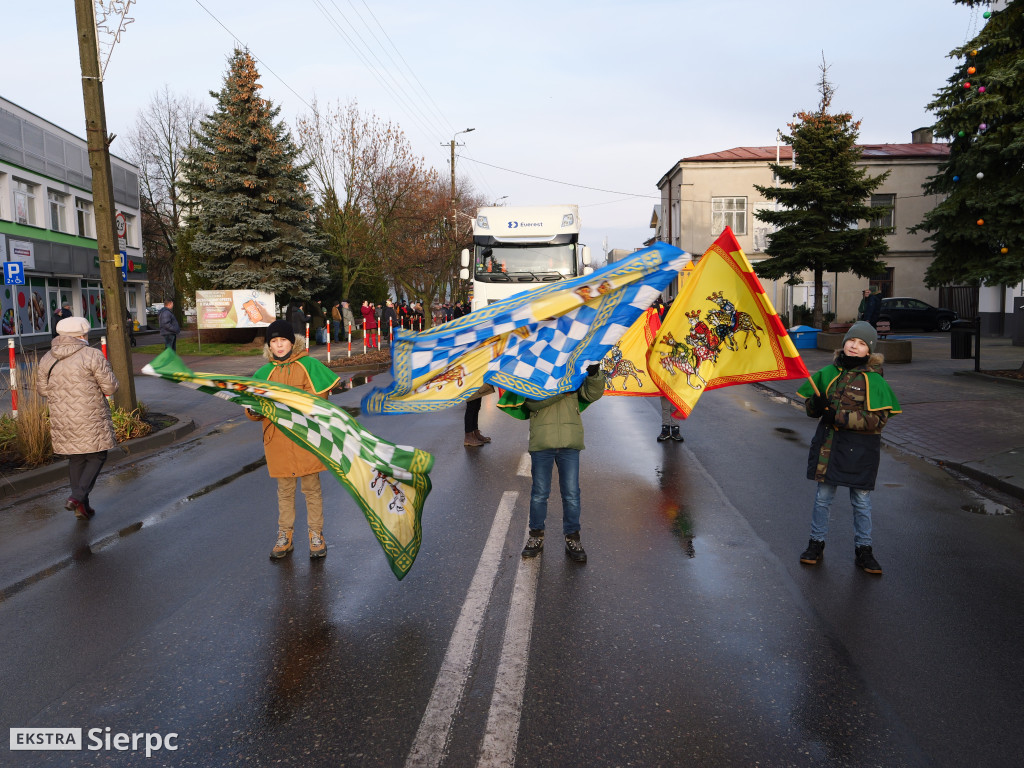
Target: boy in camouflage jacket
(853, 403)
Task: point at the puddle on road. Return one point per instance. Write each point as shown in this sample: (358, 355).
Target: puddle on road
(225, 480)
(983, 506)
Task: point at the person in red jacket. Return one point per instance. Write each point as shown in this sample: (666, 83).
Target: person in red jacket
(369, 324)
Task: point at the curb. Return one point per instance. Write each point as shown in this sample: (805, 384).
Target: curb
(34, 478)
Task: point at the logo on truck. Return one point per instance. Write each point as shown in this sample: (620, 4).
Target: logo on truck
(518, 224)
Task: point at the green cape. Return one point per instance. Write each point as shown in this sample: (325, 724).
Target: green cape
(880, 395)
(320, 376)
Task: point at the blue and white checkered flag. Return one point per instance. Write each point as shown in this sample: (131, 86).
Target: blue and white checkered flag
(537, 343)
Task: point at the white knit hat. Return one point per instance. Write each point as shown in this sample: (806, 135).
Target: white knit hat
(73, 326)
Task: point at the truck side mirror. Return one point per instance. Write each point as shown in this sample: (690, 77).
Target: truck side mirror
(585, 255)
(464, 274)
(465, 260)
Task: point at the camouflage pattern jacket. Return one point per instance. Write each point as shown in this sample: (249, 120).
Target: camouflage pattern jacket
(847, 451)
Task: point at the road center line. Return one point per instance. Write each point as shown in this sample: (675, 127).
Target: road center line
(428, 748)
(502, 733)
(525, 466)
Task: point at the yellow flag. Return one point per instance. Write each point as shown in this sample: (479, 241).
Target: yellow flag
(721, 330)
(625, 365)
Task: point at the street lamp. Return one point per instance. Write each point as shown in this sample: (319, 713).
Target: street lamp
(503, 197)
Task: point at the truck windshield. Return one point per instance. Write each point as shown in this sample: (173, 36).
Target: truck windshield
(503, 262)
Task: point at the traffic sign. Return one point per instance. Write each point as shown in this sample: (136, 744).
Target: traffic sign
(124, 266)
(14, 273)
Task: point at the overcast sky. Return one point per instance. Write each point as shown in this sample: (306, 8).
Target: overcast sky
(571, 102)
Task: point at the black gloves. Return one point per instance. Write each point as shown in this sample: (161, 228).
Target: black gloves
(593, 370)
(828, 418)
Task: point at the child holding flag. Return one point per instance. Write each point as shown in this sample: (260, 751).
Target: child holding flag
(853, 402)
(288, 461)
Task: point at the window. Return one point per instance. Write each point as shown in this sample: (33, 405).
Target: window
(729, 212)
(83, 211)
(58, 211)
(129, 231)
(24, 202)
(886, 220)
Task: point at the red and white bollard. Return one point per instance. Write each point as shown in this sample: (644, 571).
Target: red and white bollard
(14, 379)
(307, 335)
(350, 339)
(103, 345)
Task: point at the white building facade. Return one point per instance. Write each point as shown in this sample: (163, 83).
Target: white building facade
(701, 195)
(47, 222)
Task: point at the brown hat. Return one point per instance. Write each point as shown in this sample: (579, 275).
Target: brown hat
(73, 326)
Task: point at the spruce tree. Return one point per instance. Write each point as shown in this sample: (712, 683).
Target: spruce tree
(821, 200)
(250, 223)
(978, 229)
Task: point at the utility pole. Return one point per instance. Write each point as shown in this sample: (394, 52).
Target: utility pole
(103, 204)
(455, 214)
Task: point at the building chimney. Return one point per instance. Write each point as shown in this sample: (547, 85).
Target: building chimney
(921, 136)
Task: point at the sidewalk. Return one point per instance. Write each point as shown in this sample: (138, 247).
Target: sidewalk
(966, 421)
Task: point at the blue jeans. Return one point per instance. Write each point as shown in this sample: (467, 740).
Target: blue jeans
(335, 331)
(568, 462)
(171, 341)
(861, 503)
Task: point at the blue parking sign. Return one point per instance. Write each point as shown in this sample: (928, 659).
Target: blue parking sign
(14, 273)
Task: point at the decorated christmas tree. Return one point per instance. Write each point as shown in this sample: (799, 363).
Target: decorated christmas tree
(250, 223)
(977, 230)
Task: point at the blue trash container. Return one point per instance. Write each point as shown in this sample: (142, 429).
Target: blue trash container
(804, 336)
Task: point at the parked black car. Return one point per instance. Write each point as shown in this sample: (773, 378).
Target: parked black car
(903, 313)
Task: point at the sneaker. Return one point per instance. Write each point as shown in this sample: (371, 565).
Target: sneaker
(665, 433)
(82, 512)
(574, 548)
(534, 544)
(814, 553)
(472, 440)
(676, 436)
(283, 545)
(317, 545)
(866, 561)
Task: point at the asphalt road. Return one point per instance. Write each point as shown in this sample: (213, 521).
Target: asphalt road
(692, 636)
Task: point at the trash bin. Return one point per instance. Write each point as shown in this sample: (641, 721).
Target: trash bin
(804, 336)
(961, 334)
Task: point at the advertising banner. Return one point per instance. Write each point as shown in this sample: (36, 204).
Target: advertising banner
(234, 309)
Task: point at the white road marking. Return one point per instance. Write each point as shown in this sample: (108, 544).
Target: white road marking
(525, 466)
(428, 748)
(502, 733)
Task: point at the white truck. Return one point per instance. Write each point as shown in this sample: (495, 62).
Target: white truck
(518, 249)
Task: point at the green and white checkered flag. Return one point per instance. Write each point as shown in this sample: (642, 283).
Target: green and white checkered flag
(389, 482)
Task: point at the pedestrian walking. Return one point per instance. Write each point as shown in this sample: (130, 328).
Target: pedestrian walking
(347, 317)
(870, 306)
(369, 324)
(298, 318)
(389, 320)
(556, 439)
(292, 465)
(169, 327)
(853, 402)
(336, 322)
(60, 314)
(76, 381)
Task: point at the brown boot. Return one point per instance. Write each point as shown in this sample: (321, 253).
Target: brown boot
(473, 440)
(283, 546)
(483, 438)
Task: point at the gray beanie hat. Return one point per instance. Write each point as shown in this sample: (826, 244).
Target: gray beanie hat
(864, 331)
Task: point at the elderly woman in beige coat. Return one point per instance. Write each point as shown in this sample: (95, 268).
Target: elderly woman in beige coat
(76, 380)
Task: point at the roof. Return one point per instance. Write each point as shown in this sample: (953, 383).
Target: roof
(868, 151)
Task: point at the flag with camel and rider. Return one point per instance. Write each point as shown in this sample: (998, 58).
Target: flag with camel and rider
(721, 330)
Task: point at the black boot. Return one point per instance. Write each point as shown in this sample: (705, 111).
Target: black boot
(675, 434)
(866, 561)
(666, 433)
(814, 553)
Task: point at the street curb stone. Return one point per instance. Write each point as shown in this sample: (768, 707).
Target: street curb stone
(32, 479)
